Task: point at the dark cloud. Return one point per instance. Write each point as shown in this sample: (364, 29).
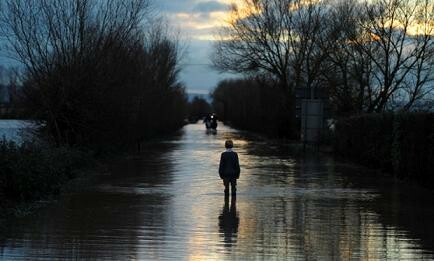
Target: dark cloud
(210, 6)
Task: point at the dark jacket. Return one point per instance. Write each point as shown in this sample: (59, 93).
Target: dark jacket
(229, 165)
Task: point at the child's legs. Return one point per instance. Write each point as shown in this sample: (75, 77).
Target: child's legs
(233, 185)
(226, 183)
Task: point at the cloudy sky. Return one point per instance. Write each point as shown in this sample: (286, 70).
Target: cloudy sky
(197, 21)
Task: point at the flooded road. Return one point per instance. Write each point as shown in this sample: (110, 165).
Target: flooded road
(168, 204)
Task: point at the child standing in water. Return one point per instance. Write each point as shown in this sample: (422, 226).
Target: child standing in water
(229, 168)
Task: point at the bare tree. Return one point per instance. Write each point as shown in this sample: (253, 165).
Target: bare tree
(95, 70)
(256, 38)
(38, 31)
(397, 38)
(372, 55)
(347, 69)
(275, 37)
(379, 55)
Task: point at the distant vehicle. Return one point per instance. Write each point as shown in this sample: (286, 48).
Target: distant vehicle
(211, 122)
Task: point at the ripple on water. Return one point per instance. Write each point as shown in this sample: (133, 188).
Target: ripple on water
(167, 203)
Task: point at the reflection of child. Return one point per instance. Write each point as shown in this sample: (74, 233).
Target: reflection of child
(229, 222)
(229, 168)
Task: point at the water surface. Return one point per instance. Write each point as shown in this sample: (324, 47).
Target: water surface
(167, 203)
(15, 130)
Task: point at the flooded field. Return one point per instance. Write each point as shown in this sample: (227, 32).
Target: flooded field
(167, 203)
(15, 130)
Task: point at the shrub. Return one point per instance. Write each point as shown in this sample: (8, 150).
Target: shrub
(30, 172)
(401, 143)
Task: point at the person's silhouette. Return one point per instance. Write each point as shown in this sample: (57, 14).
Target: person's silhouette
(229, 168)
(229, 221)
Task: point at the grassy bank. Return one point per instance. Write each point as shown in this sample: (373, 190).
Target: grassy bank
(30, 173)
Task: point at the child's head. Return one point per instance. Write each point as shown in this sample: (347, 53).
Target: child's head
(229, 144)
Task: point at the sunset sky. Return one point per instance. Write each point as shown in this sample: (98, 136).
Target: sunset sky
(197, 21)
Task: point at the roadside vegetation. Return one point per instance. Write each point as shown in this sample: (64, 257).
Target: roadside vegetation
(373, 60)
(32, 172)
(95, 76)
(252, 104)
(401, 144)
(198, 108)
(367, 56)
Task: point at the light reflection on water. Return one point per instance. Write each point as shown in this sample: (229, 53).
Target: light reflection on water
(167, 204)
(16, 130)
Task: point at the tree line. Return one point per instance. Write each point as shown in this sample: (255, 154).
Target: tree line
(369, 56)
(256, 104)
(95, 72)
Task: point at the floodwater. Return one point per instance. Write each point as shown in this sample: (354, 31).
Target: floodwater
(16, 130)
(167, 203)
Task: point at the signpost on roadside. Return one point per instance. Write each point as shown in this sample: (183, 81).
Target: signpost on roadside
(312, 120)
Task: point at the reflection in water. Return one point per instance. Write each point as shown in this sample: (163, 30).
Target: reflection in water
(229, 222)
(166, 204)
(16, 130)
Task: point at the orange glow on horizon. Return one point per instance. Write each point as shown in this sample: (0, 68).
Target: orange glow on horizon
(206, 25)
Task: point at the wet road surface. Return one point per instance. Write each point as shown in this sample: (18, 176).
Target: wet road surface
(167, 203)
